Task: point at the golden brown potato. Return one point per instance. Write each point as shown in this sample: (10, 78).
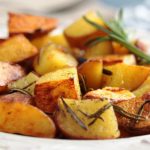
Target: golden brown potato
(130, 125)
(125, 76)
(91, 70)
(53, 57)
(143, 88)
(51, 86)
(113, 59)
(114, 94)
(80, 31)
(59, 39)
(100, 49)
(27, 83)
(9, 73)
(25, 119)
(23, 23)
(17, 97)
(119, 49)
(73, 123)
(18, 48)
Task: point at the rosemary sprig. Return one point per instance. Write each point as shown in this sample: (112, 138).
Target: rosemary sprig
(83, 84)
(141, 109)
(128, 115)
(73, 115)
(115, 32)
(19, 90)
(107, 72)
(97, 114)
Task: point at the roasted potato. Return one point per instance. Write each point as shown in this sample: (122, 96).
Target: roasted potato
(113, 59)
(27, 83)
(119, 49)
(72, 121)
(25, 119)
(131, 125)
(125, 76)
(9, 73)
(100, 49)
(51, 86)
(91, 70)
(18, 47)
(23, 23)
(114, 94)
(51, 58)
(59, 39)
(144, 88)
(79, 32)
(17, 97)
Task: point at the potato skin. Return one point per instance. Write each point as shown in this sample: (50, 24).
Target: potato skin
(8, 73)
(23, 23)
(17, 97)
(26, 120)
(132, 106)
(80, 31)
(99, 130)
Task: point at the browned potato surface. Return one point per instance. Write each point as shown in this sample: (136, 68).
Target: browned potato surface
(16, 49)
(23, 23)
(25, 119)
(51, 86)
(114, 94)
(130, 125)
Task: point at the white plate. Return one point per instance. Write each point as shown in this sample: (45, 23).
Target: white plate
(18, 142)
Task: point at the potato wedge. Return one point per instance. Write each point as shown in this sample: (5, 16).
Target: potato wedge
(9, 73)
(27, 83)
(132, 126)
(91, 70)
(113, 59)
(144, 88)
(51, 58)
(59, 39)
(119, 49)
(114, 94)
(18, 47)
(100, 129)
(23, 23)
(51, 86)
(100, 49)
(80, 31)
(125, 76)
(17, 97)
(25, 119)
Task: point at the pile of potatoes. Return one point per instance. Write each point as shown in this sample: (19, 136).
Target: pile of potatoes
(55, 86)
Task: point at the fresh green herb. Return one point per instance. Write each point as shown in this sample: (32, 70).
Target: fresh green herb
(107, 72)
(73, 115)
(116, 33)
(97, 114)
(19, 90)
(83, 83)
(128, 115)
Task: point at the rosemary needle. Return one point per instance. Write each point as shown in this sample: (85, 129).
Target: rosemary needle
(73, 115)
